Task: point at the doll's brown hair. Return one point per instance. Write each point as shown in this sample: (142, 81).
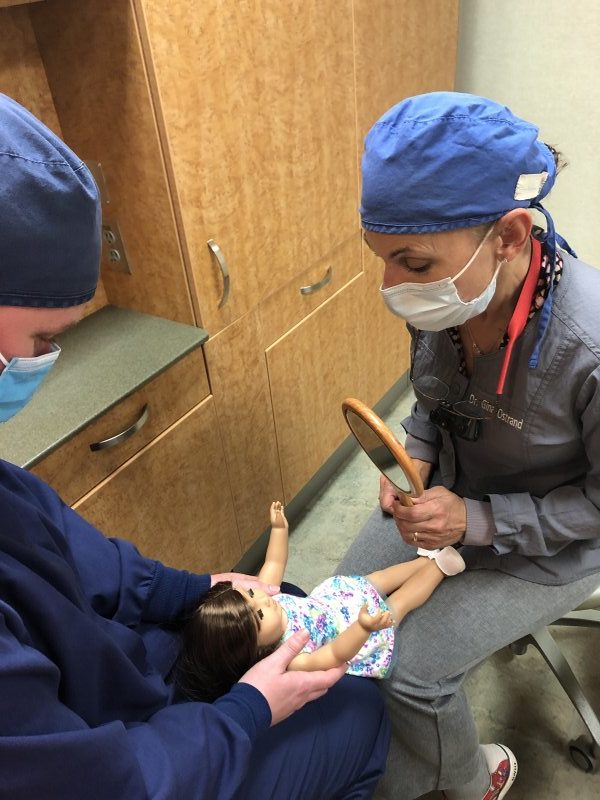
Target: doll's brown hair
(220, 644)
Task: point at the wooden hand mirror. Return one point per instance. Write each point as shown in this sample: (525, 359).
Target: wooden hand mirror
(384, 450)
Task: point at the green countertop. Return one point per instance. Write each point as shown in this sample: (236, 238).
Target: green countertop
(105, 358)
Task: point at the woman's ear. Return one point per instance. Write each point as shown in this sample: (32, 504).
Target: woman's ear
(514, 230)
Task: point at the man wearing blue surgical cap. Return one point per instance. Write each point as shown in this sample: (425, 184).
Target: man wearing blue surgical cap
(505, 430)
(87, 705)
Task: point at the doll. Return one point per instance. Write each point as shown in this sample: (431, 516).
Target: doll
(350, 618)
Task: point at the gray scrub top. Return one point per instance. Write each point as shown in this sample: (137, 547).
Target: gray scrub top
(535, 469)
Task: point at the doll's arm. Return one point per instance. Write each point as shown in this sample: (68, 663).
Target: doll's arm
(277, 552)
(345, 646)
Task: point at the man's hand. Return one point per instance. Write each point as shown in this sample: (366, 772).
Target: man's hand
(245, 581)
(286, 692)
(439, 517)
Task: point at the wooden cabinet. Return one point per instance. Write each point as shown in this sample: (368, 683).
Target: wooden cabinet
(402, 47)
(239, 122)
(256, 104)
(79, 464)
(240, 385)
(166, 487)
(95, 69)
(172, 499)
(7, 3)
(384, 343)
(311, 370)
(290, 304)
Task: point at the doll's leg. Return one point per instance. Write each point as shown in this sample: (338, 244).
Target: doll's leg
(389, 579)
(416, 590)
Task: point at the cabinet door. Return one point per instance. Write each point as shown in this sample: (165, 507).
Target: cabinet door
(384, 343)
(79, 464)
(173, 498)
(240, 386)
(311, 370)
(95, 68)
(403, 47)
(23, 77)
(256, 103)
(22, 74)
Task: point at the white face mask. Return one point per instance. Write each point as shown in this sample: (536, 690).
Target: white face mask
(437, 306)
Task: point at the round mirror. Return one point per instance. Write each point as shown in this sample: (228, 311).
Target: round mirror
(382, 447)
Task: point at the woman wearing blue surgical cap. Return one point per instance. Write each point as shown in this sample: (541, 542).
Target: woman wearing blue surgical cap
(87, 646)
(505, 366)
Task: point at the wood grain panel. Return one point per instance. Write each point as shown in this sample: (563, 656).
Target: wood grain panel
(73, 469)
(239, 382)
(384, 343)
(403, 47)
(97, 76)
(311, 370)
(258, 106)
(22, 74)
(23, 77)
(7, 3)
(98, 301)
(287, 306)
(173, 499)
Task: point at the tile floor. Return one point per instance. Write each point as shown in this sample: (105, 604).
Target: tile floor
(516, 700)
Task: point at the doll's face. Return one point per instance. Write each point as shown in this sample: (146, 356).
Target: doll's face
(271, 617)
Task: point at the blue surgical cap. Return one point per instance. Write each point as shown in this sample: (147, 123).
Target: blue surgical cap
(50, 216)
(447, 160)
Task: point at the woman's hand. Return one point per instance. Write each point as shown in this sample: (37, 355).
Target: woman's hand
(388, 493)
(245, 581)
(287, 691)
(438, 517)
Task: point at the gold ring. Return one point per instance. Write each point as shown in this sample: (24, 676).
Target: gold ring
(415, 537)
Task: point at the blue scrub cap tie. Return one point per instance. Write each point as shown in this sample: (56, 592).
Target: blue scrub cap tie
(448, 160)
(50, 216)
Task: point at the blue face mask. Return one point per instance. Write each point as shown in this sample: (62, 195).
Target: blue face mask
(21, 378)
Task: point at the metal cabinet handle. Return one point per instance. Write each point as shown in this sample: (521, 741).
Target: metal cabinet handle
(119, 438)
(220, 258)
(314, 287)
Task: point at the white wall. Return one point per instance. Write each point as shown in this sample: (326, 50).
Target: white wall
(541, 58)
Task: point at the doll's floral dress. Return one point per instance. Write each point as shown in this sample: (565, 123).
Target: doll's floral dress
(329, 609)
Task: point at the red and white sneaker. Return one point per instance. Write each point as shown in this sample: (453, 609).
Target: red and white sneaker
(503, 767)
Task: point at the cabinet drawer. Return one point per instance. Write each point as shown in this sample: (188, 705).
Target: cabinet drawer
(74, 468)
(287, 306)
(312, 369)
(173, 499)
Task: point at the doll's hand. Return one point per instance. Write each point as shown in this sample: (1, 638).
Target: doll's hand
(245, 581)
(287, 691)
(278, 519)
(374, 622)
